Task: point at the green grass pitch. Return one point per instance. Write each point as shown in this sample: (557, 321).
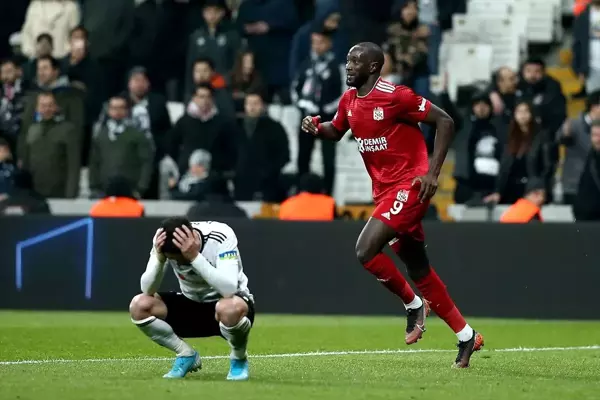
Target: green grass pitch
(99, 356)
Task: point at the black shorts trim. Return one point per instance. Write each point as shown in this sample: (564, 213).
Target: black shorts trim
(192, 319)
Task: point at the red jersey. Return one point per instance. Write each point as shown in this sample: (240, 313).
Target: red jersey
(385, 125)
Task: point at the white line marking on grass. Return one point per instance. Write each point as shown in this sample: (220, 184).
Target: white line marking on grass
(294, 355)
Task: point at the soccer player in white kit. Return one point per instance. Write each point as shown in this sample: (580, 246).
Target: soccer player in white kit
(214, 298)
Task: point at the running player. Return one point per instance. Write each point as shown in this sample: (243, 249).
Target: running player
(384, 121)
(214, 298)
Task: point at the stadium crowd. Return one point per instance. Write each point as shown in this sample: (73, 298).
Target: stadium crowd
(88, 83)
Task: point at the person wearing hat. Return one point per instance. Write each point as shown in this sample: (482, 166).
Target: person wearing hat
(529, 208)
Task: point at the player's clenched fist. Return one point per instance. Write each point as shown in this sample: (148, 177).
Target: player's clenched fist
(310, 124)
(188, 242)
(157, 242)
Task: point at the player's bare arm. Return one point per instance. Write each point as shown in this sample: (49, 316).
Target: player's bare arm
(443, 139)
(324, 130)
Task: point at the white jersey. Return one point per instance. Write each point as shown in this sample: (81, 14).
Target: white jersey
(220, 245)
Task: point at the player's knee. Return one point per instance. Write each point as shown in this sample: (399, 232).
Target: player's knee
(363, 253)
(141, 306)
(230, 311)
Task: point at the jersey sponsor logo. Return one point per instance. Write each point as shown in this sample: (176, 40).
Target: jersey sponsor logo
(228, 255)
(402, 196)
(423, 104)
(396, 207)
(371, 145)
(386, 215)
(378, 113)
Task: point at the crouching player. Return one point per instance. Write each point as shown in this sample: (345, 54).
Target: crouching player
(214, 298)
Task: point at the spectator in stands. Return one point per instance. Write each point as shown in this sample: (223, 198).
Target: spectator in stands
(7, 169)
(269, 26)
(24, 199)
(545, 93)
(217, 204)
(407, 41)
(151, 115)
(527, 156)
(483, 153)
(316, 90)
(217, 39)
(204, 127)
(586, 51)
(85, 74)
(55, 17)
(310, 204)
(11, 101)
(262, 153)
(587, 202)
(575, 136)
(245, 78)
(193, 185)
(204, 73)
(120, 148)
(44, 48)
(110, 25)
(70, 100)
(51, 150)
(327, 17)
(503, 94)
(528, 208)
(388, 72)
(120, 201)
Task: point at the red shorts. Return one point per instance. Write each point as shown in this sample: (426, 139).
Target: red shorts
(403, 213)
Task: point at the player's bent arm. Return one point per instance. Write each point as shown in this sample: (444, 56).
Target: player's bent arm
(223, 278)
(443, 137)
(153, 276)
(329, 132)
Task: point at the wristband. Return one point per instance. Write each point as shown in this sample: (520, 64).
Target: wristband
(316, 121)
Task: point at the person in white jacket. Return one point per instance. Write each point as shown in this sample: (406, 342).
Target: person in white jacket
(54, 17)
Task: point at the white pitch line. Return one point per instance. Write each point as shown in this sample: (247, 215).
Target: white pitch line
(292, 355)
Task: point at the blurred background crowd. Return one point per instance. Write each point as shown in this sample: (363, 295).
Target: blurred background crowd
(201, 100)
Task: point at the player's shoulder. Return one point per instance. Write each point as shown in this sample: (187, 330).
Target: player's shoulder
(389, 88)
(348, 93)
(218, 231)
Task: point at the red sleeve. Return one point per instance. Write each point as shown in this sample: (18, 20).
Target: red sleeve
(340, 120)
(409, 105)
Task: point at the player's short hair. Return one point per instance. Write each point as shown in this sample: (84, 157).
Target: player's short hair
(53, 61)
(205, 60)
(169, 225)
(45, 36)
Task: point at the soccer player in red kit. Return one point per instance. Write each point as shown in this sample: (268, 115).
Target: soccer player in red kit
(384, 121)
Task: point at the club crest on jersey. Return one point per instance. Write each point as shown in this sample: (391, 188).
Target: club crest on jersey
(402, 196)
(378, 113)
(228, 255)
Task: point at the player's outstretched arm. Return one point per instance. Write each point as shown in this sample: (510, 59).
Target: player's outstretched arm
(324, 130)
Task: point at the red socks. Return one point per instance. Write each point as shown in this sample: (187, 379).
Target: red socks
(386, 272)
(434, 290)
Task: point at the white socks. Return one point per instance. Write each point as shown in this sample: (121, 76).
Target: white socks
(465, 334)
(237, 337)
(162, 333)
(416, 303)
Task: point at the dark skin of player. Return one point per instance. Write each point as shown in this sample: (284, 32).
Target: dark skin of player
(363, 69)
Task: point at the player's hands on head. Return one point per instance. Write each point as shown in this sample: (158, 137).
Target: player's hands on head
(429, 185)
(159, 240)
(309, 125)
(188, 242)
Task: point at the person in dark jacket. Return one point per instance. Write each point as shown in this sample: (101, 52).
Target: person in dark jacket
(51, 150)
(586, 206)
(120, 148)
(69, 99)
(327, 16)
(586, 57)
(204, 127)
(217, 39)
(203, 73)
(316, 91)
(12, 102)
(503, 94)
(483, 153)
(269, 26)
(24, 199)
(263, 152)
(44, 48)
(527, 156)
(194, 184)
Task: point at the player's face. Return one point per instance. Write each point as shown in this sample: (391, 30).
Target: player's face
(596, 138)
(357, 67)
(533, 73)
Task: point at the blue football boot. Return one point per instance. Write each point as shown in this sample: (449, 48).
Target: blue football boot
(238, 370)
(183, 365)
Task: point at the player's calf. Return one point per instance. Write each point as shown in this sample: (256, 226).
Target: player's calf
(235, 327)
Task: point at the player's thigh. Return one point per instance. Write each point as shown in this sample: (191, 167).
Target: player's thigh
(231, 310)
(144, 306)
(372, 239)
(188, 318)
(402, 213)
